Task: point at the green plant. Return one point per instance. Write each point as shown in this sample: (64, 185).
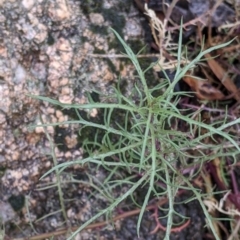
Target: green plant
(145, 148)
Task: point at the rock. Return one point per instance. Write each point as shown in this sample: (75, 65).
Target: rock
(96, 18)
(6, 213)
(59, 11)
(28, 4)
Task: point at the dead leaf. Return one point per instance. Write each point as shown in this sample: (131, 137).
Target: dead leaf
(221, 74)
(203, 89)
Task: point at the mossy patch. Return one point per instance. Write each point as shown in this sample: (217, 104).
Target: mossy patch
(124, 5)
(114, 44)
(17, 201)
(102, 30)
(116, 20)
(2, 170)
(84, 39)
(50, 39)
(91, 6)
(111, 66)
(98, 51)
(59, 138)
(136, 45)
